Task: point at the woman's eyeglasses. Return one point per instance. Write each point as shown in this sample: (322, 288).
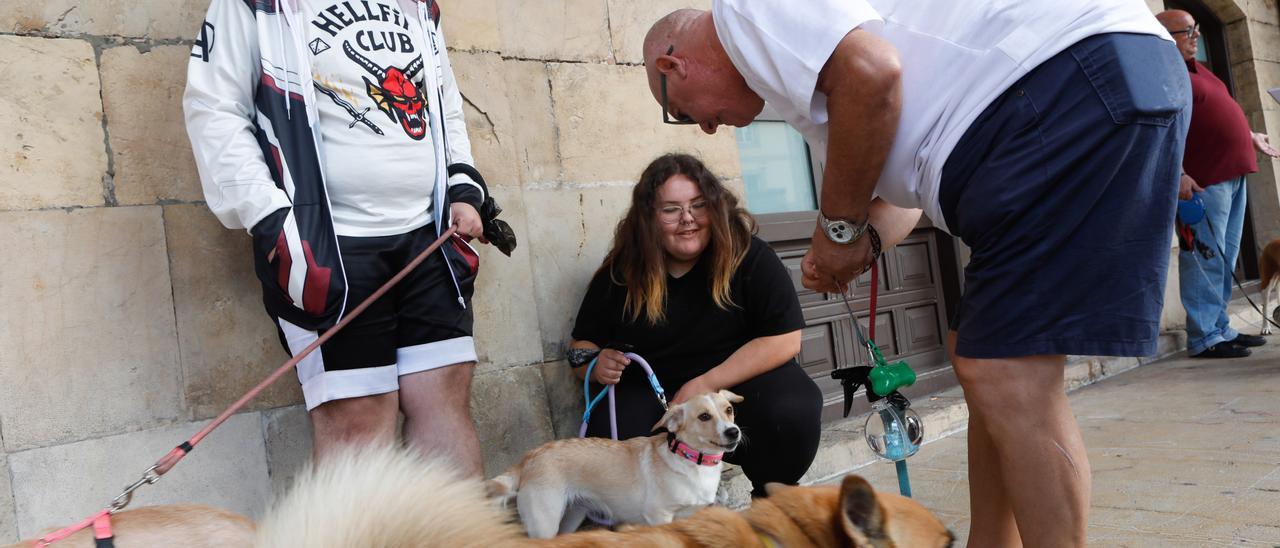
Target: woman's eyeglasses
(671, 214)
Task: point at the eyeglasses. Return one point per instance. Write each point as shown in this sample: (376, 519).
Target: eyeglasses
(671, 214)
(683, 119)
(1193, 30)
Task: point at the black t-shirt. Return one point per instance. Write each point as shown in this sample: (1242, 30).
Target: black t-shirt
(697, 335)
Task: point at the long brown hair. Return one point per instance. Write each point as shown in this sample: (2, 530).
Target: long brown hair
(637, 260)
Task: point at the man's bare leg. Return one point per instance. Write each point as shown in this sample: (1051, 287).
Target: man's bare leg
(367, 420)
(991, 520)
(1022, 406)
(437, 415)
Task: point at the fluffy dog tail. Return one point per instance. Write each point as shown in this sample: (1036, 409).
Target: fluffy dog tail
(386, 498)
(502, 489)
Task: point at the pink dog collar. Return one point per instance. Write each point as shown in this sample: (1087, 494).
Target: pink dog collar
(692, 455)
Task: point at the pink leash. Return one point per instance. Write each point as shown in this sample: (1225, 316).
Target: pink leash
(101, 520)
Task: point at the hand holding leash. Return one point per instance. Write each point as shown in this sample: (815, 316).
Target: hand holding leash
(609, 366)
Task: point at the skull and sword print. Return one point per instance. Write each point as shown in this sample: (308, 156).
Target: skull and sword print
(367, 65)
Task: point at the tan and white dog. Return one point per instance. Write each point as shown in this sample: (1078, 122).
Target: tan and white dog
(649, 480)
(1269, 269)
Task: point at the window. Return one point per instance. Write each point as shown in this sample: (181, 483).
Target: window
(776, 169)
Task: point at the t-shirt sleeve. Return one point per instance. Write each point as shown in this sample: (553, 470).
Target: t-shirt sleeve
(783, 46)
(771, 306)
(600, 311)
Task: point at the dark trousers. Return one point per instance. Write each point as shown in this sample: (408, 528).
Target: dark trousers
(780, 417)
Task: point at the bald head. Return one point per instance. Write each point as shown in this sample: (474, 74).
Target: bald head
(683, 53)
(672, 30)
(1175, 19)
(1182, 26)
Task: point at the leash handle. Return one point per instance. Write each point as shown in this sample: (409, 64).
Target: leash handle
(653, 379)
(591, 402)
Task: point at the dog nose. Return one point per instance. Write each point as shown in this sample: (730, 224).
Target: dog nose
(732, 433)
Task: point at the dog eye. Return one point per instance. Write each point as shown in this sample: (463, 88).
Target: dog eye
(728, 411)
(704, 417)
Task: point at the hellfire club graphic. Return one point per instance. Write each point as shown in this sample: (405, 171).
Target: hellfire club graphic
(394, 93)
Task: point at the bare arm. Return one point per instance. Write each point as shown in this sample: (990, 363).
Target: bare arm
(759, 355)
(863, 85)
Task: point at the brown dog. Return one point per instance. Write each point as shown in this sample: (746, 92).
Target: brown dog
(393, 499)
(1269, 268)
(189, 525)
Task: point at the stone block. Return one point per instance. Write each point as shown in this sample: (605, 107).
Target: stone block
(227, 342)
(155, 19)
(568, 30)
(566, 249)
(510, 412)
(89, 341)
(8, 518)
(534, 123)
(597, 104)
(142, 95)
(289, 440)
(1173, 316)
(1268, 78)
(1227, 11)
(509, 117)
(1082, 372)
(481, 80)
(52, 141)
(471, 24)
(564, 398)
(506, 312)
(630, 21)
(1253, 39)
(1263, 11)
(59, 485)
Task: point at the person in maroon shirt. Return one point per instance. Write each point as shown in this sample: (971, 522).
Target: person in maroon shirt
(1219, 153)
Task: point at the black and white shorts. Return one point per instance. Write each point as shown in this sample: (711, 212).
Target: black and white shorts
(421, 324)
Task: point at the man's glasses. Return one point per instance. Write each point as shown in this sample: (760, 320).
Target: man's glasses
(1193, 30)
(672, 214)
(683, 119)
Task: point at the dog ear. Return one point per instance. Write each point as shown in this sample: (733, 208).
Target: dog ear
(733, 398)
(860, 513)
(670, 419)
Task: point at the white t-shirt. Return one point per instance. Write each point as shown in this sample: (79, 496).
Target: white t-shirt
(368, 69)
(956, 57)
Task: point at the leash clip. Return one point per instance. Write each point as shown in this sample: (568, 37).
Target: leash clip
(123, 499)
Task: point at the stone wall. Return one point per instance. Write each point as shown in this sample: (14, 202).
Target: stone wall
(131, 316)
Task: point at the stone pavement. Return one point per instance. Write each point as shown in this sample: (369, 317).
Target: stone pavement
(1185, 452)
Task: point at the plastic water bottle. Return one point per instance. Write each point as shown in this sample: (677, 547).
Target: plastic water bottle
(893, 434)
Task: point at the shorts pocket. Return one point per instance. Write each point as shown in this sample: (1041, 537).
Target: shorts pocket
(464, 262)
(1140, 79)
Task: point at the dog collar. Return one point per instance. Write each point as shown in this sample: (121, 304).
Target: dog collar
(693, 455)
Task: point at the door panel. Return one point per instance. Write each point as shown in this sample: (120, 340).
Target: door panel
(909, 319)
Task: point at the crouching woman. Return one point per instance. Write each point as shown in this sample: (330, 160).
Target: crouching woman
(688, 287)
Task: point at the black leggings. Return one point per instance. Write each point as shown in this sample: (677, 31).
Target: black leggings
(780, 417)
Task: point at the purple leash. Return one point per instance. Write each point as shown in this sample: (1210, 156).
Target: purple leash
(613, 410)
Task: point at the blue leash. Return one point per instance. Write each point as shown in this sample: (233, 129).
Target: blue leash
(613, 412)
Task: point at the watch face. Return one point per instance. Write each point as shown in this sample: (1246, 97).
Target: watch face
(840, 232)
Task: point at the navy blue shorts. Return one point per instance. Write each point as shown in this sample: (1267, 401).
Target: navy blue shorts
(1064, 189)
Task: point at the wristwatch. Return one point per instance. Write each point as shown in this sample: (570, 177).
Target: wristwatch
(841, 231)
